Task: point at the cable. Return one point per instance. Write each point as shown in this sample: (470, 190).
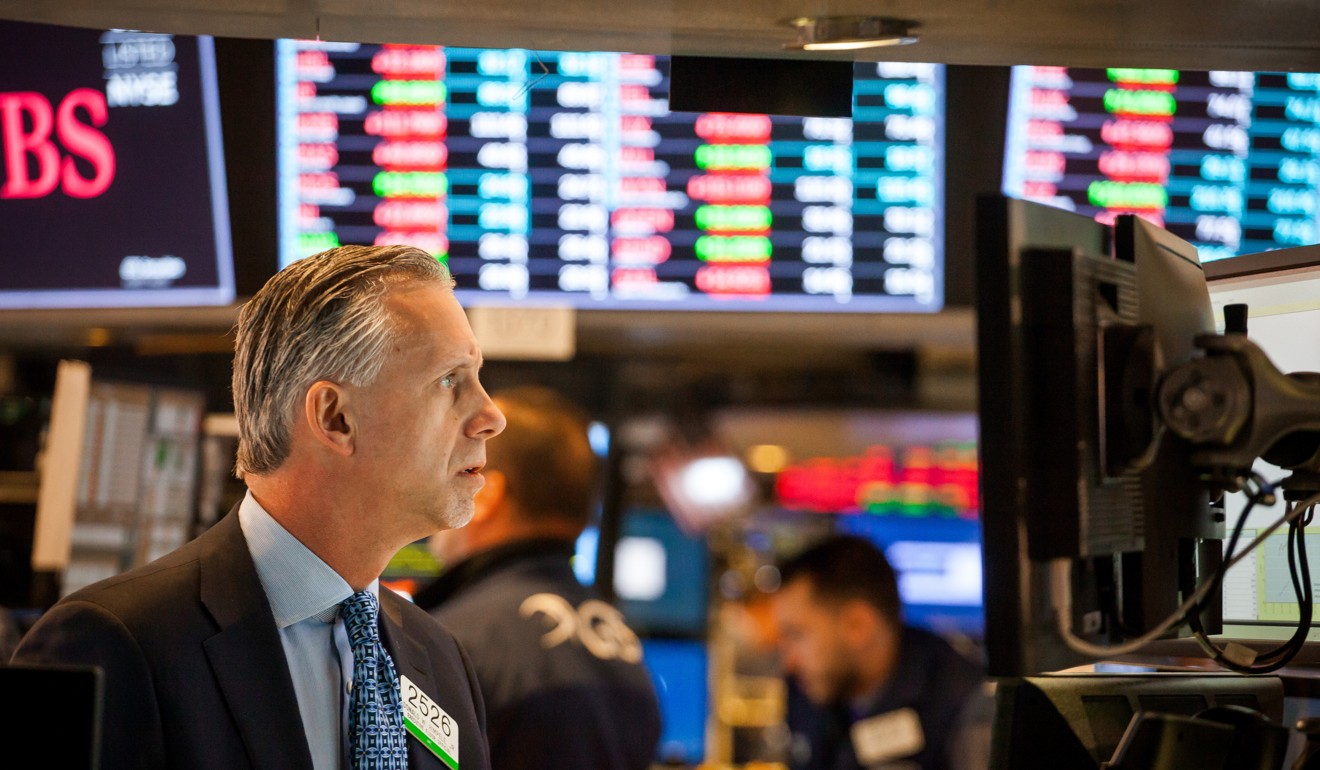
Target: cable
(1279, 656)
(1264, 494)
(1061, 592)
(1061, 588)
(1242, 659)
(1108, 594)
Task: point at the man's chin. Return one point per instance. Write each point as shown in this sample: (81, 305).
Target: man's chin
(455, 515)
(817, 695)
(459, 516)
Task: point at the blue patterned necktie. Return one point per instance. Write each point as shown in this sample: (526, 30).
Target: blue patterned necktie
(375, 711)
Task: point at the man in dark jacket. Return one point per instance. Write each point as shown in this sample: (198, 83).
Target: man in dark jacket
(267, 643)
(874, 693)
(560, 672)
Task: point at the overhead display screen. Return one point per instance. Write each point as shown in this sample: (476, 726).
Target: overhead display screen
(564, 177)
(1225, 160)
(112, 190)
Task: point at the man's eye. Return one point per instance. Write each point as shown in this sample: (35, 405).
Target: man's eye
(449, 381)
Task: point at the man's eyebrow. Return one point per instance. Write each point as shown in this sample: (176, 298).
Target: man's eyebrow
(470, 358)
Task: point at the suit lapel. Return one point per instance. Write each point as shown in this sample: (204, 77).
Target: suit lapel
(410, 660)
(405, 649)
(247, 656)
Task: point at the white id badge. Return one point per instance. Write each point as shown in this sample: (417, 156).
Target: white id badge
(891, 735)
(429, 723)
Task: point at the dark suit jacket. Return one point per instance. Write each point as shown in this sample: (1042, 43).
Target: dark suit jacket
(931, 678)
(560, 707)
(195, 674)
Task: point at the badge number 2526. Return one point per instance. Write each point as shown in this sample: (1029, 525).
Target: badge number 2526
(429, 723)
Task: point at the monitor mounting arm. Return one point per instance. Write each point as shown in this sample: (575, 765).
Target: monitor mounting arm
(1234, 405)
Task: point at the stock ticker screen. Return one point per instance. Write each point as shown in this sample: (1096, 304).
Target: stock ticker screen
(112, 188)
(1229, 161)
(564, 177)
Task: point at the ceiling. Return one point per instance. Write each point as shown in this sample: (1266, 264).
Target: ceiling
(1191, 34)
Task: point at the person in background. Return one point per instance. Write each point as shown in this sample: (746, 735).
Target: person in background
(266, 642)
(560, 672)
(867, 691)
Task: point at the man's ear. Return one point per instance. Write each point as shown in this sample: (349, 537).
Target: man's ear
(326, 415)
(490, 496)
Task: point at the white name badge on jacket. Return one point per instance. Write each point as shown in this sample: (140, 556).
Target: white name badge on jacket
(888, 736)
(429, 723)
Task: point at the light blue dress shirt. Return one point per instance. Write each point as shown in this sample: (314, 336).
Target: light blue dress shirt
(305, 594)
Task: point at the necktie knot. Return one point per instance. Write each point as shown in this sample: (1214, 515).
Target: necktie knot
(360, 612)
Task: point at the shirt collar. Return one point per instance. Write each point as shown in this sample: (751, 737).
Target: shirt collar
(465, 573)
(298, 584)
(917, 657)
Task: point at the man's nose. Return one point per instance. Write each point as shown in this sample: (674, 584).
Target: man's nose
(489, 421)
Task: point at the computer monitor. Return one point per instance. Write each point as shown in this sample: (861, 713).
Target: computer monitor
(112, 174)
(1019, 635)
(660, 575)
(1080, 721)
(1282, 292)
(1222, 159)
(1174, 304)
(938, 563)
(565, 177)
(586, 551)
(1074, 335)
(679, 671)
(57, 708)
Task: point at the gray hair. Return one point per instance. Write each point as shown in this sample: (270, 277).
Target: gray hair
(321, 318)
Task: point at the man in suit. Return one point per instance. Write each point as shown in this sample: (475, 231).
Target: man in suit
(362, 428)
(560, 672)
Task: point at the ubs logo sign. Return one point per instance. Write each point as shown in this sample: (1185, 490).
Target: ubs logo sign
(49, 144)
(41, 140)
(594, 624)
